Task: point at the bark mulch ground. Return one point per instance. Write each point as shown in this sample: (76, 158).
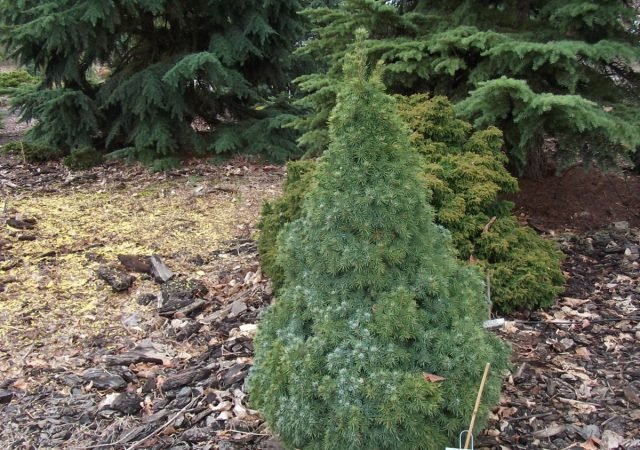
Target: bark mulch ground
(174, 377)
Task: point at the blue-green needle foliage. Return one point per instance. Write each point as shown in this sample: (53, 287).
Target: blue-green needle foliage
(373, 300)
(217, 62)
(533, 68)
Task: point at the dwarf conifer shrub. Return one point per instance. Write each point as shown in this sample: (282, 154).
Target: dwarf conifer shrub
(11, 80)
(373, 302)
(83, 158)
(464, 173)
(30, 152)
(524, 269)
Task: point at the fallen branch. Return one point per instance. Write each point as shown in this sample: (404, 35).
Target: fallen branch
(533, 416)
(577, 402)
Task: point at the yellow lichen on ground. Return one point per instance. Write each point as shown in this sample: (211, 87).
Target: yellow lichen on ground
(52, 291)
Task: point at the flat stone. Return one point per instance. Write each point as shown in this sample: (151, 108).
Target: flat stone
(234, 375)
(146, 299)
(227, 445)
(196, 435)
(179, 293)
(24, 224)
(159, 270)
(135, 263)
(272, 444)
(183, 288)
(588, 431)
(632, 395)
(549, 431)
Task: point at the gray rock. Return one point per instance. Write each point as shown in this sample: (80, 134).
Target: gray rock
(5, 397)
(146, 299)
(234, 375)
(179, 293)
(238, 307)
(127, 403)
(228, 445)
(183, 288)
(601, 238)
(196, 435)
(24, 224)
(272, 444)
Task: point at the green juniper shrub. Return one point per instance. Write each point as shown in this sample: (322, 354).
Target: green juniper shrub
(32, 152)
(279, 213)
(9, 81)
(373, 301)
(464, 172)
(83, 158)
(524, 269)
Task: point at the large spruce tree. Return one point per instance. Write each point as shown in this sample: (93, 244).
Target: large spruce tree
(171, 62)
(535, 68)
(376, 339)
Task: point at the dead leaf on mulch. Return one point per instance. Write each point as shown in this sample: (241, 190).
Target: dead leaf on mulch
(431, 378)
(20, 384)
(591, 444)
(583, 352)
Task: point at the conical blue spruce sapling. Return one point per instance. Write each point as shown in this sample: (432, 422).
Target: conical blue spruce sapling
(376, 340)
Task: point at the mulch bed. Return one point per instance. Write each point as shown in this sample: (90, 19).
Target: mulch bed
(575, 382)
(177, 380)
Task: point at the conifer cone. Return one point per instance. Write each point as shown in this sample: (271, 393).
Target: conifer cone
(374, 307)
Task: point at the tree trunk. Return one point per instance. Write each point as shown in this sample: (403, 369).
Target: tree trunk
(524, 6)
(537, 162)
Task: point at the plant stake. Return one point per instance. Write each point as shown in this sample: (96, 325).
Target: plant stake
(475, 408)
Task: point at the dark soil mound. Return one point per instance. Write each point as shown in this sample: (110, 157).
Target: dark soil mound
(579, 200)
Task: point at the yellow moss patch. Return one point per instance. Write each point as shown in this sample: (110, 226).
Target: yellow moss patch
(52, 292)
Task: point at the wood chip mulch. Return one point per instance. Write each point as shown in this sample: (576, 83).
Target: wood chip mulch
(178, 381)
